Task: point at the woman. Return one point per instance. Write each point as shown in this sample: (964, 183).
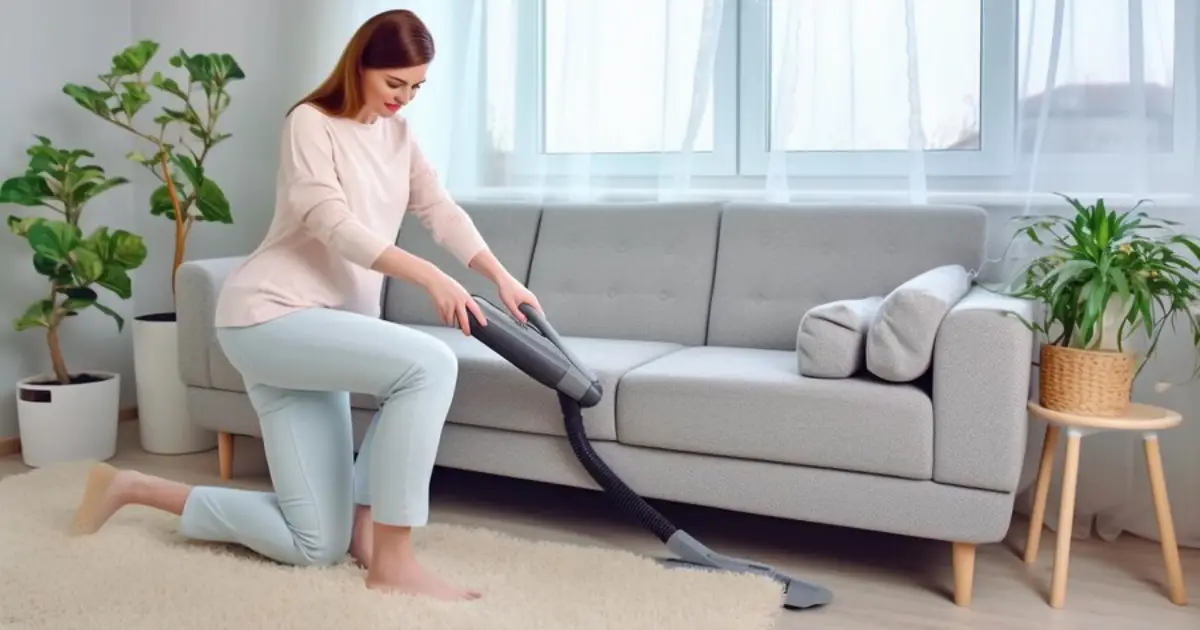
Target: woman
(299, 319)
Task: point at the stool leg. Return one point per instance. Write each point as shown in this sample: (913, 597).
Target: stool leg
(1037, 519)
(1166, 526)
(1066, 521)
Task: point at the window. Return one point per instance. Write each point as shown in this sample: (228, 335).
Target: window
(822, 87)
(829, 92)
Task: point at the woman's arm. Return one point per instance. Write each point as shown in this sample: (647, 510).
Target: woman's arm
(453, 229)
(485, 264)
(450, 225)
(399, 264)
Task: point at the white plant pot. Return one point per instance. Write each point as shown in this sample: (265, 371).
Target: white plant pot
(68, 423)
(164, 424)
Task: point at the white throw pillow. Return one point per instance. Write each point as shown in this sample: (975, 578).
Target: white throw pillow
(831, 340)
(900, 339)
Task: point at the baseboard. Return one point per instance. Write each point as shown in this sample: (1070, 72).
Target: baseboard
(12, 445)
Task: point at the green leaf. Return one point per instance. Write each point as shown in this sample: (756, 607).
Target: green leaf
(111, 313)
(1190, 244)
(126, 250)
(88, 266)
(200, 68)
(19, 226)
(229, 68)
(191, 170)
(160, 202)
(88, 190)
(212, 204)
(56, 270)
(134, 97)
(25, 190)
(1120, 283)
(135, 58)
(1070, 271)
(115, 279)
(171, 86)
(38, 315)
(1095, 294)
(116, 253)
(53, 239)
(93, 100)
(78, 298)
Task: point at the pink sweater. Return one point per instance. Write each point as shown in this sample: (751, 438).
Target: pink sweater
(342, 190)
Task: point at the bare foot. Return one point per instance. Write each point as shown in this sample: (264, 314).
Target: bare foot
(107, 490)
(362, 543)
(412, 579)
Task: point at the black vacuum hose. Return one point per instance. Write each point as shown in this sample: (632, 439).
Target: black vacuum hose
(626, 499)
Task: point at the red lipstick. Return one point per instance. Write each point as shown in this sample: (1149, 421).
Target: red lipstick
(392, 106)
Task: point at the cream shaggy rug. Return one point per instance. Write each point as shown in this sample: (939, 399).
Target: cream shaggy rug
(138, 574)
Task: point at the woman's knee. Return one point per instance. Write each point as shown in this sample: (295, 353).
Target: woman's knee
(430, 363)
(322, 548)
(439, 360)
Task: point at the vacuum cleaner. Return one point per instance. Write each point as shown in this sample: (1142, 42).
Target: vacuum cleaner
(537, 350)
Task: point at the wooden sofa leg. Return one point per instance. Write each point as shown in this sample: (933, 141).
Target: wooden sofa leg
(225, 454)
(964, 573)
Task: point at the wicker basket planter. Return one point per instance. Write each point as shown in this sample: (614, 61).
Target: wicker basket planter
(1089, 382)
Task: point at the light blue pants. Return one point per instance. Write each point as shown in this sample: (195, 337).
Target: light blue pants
(299, 371)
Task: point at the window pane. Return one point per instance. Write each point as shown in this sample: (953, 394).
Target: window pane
(619, 75)
(1093, 94)
(500, 69)
(840, 74)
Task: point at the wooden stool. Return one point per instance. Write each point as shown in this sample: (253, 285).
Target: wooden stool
(1144, 418)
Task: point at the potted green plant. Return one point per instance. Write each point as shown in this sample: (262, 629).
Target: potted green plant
(1105, 277)
(179, 142)
(68, 415)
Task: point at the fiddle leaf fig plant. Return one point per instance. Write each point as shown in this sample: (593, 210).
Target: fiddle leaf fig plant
(180, 137)
(1108, 275)
(74, 265)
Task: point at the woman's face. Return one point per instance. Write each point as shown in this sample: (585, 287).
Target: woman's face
(387, 90)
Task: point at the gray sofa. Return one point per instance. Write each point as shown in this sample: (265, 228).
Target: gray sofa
(690, 312)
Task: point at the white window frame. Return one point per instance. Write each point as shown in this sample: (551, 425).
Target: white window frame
(1166, 168)
(741, 116)
(997, 67)
(530, 160)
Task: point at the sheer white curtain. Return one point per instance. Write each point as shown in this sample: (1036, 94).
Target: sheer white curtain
(992, 102)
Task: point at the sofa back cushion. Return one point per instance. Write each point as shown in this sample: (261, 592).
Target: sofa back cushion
(639, 271)
(509, 229)
(776, 261)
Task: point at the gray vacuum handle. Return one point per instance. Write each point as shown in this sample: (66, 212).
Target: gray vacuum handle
(549, 333)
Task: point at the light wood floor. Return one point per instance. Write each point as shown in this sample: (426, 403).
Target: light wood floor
(879, 581)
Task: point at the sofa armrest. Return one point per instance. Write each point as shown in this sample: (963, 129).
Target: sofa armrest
(197, 284)
(982, 363)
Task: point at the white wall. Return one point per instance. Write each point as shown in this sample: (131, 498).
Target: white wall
(53, 42)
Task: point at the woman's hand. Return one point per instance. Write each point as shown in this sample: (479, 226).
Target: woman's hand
(453, 302)
(514, 294)
(510, 290)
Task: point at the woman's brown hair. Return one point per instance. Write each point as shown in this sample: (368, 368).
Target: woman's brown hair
(392, 39)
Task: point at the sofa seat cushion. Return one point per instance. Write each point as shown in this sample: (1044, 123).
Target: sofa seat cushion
(494, 393)
(753, 404)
